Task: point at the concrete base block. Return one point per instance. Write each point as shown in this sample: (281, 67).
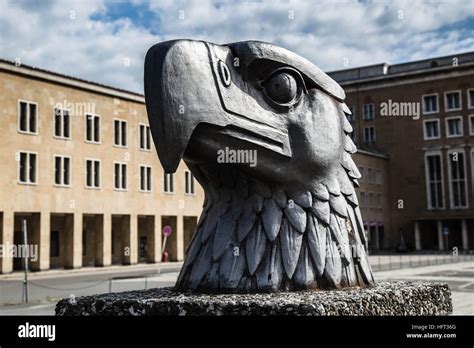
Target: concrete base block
(386, 298)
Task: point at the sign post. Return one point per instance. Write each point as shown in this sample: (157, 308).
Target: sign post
(446, 234)
(25, 249)
(167, 230)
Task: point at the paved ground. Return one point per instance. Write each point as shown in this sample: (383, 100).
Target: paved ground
(46, 288)
(459, 276)
(50, 286)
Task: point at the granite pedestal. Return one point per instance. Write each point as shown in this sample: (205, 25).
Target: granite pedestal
(385, 298)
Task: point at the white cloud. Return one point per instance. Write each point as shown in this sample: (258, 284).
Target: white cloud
(63, 38)
(327, 32)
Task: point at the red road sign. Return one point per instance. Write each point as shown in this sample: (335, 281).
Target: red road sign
(167, 231)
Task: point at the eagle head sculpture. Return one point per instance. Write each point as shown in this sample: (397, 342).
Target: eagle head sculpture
(290, 219)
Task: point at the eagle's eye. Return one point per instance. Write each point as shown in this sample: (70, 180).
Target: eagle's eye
(283, 86)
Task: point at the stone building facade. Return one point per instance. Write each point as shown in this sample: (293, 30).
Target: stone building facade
(421, 116)
(78, 164)
(373, 196)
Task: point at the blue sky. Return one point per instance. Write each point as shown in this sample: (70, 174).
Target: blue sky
(106, 40)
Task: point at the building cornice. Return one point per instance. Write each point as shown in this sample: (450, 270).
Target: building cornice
(51, 77)
(370, 153)
(405, 78)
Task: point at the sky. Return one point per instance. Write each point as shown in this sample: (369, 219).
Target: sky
(106, 40)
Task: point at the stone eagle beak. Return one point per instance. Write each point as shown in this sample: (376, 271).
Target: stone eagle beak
(188, 83)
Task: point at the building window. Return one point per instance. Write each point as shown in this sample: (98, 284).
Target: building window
(27, 168)
(62, 123)
(369, 134)
(351, 117)
(188, 183)
(362, 175)
(62, 172)
(145, 138)
(120, 133)
(470, 98)
(378, 201)
(434, 181)
(378, 177)
(145, 178)
(430, 104)
(454, 127)
(92, 128)
(27, 117)
(120, 176)
(92, 173)
(370, 175)
(371, 200)
(169, 183)
(54, 244)
(369, 112)
(457, 178)
(431, 129)
(362, 199)
(452, 100)
(471, 124)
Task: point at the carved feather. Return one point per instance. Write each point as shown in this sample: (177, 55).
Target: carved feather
(280, 198)
(232, 267)
(270, 272)
(225, 233)
(360, 224)
(332, 270)
(349, 165)
(346, 109)
(202, 218)
(352, 200)
(349, 145)
(212, 276)
(365, 269)
(201, 266)
(321, 192)
(304, 273)
(257, 202)
(255, 247)
(290, 241)
(345, 183)
(339, 205)
(271, 218)
(333, 186)
(316, 239)
(322, 211)
(302, 198)
(245, 222)
(237, 205)
(341, 238)
(209, 225)
(347, 126)
(194, 246)
(296, 216)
